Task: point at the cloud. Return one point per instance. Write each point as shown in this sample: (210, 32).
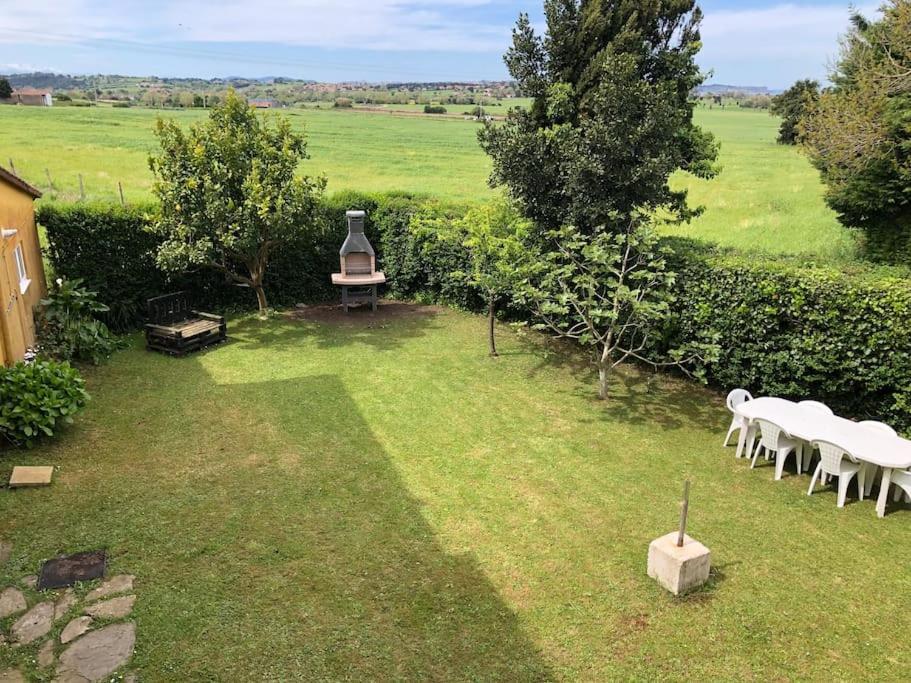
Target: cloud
(396, 25)
(785, 37)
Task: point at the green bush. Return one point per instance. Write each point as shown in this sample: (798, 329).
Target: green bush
(36, 398)
(799, 330)
(67, 327)
(434, 109)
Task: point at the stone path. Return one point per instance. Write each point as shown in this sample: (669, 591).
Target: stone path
(89, 647)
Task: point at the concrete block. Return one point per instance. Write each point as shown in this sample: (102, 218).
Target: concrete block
(678, 569)
(30, 476)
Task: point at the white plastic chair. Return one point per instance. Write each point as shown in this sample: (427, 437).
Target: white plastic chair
(817, 406)
(735, 398)
(902, 481)
(872, 469)
(773, 439)
(835, 461)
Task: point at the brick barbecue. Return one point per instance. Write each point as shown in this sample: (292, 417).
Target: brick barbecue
(359, 277)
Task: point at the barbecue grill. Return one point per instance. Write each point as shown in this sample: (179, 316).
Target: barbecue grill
(359, 277)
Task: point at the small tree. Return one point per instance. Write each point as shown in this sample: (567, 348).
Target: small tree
(493, 238)
(792, 105)
(590, 162)
(6, 90)
(229, 195)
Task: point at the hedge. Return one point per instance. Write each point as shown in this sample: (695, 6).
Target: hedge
(111, 250)
(800, 330)
(785, 328)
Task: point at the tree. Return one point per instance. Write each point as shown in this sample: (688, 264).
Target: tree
(228, 191)
(859, 137)
(6, 90)
(589, 162)
(792, 105)
(492, 236)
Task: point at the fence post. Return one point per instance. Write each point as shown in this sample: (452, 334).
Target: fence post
(50, 183)
(12, 166)
(684, 509)
(81, 189)
(120, 187)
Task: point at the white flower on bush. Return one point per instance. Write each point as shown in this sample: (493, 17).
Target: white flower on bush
(59, 281)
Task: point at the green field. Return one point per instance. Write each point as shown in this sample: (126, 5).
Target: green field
(767, 197)
(372, 498)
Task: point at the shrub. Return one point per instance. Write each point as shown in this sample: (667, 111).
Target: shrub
(799, 330)
(343, 103)
(67, 328)
(434, 109)
(36, 398)
(121, 105)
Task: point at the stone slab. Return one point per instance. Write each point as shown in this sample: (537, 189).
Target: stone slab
(34, 624)
(30, 476)
(99, 653)
(11, 602)
(75, 628)
(679, 569)
(115, 608)
(122, 583)
(46, 654)
(64, 604)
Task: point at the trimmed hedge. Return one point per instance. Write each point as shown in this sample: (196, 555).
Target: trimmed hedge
(785, 328)
(800, 330)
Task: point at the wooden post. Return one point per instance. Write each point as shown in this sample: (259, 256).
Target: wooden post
(684, 509)
(50, 183)
(12, 166)
(81, 188)
(120, 187)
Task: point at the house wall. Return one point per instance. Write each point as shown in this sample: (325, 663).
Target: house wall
(17, 212)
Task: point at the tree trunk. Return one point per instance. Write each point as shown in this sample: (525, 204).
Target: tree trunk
(492, 319)
(605, 369)
(604, 373)
(261, 298)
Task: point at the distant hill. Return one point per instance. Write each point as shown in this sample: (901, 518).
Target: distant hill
(723, 89)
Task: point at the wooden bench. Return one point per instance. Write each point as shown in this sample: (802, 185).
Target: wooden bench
(177, 329)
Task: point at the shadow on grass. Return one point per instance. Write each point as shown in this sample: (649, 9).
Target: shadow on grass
(331, 328)
(639, 395)
(339, 571)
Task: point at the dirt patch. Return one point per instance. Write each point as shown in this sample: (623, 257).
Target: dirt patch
(361, 316)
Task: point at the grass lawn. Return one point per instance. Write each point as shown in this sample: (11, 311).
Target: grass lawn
(380, 501)
(767, 197)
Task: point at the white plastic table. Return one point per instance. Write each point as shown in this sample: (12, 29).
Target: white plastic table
(886, 451)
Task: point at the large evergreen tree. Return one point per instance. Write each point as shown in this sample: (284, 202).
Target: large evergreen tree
(589, 163)
(859, 133)
(6, 90)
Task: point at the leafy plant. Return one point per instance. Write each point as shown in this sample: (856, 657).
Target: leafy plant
(792, 105)
(67, 327)
(36, 398)
(230, 194)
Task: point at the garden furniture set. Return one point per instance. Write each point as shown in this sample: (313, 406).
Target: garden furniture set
(848, 450)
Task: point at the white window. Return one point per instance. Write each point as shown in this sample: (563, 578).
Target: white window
(24, 282)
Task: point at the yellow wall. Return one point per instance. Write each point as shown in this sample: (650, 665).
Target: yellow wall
(17, 212)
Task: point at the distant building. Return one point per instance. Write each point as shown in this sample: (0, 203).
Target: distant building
(31, 97)
(262, 104)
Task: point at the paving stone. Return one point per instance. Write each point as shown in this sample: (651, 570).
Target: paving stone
(75, 628)
(46, 654)
(30, 476)
(34, 624)
(11, 676)
(115, 608)
(98, 653)
(122, 583)
(6, 549)
(30, 581)
(11, 602)
(64, 604)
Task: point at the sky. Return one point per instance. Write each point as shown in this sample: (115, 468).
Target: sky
(746, 42)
